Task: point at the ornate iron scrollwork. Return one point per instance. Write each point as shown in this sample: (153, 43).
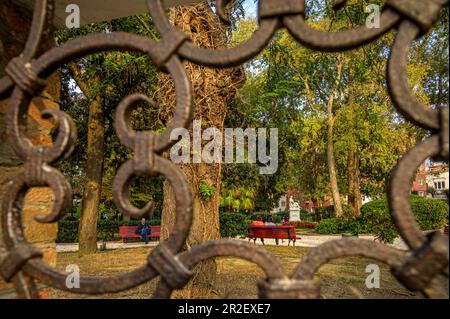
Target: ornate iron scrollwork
(25, 77)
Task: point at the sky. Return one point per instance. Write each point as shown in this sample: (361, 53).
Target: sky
(250, 8)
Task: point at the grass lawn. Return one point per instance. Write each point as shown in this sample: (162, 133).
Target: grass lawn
(342, 278)
(304, 230)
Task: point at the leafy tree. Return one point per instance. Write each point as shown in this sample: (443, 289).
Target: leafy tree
(98, 82)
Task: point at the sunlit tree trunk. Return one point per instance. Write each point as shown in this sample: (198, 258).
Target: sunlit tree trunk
(330, 147)
(87, 229)
(353, 182)
(213, 90)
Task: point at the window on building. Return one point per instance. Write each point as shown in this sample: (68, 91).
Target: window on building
(439, 185)
(283, 203)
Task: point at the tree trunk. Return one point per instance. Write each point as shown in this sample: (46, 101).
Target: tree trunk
(213, 90)
(87, 229)
(353, 183)
(330, 147)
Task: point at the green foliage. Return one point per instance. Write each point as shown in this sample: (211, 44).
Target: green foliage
(288, 87)
(328, 212)
(329, 226)
(206, 190)
(376, 219)
(429, 215)
(238, 199)
(302, 224)
(277, 219)
(282, 214)
(110, 76)
(67, 231)
(233, 224)
(354, 226)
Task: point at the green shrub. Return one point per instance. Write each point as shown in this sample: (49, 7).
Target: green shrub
(233, 224)
(306, 216)
(106, 229)
(154, 222)
(277, 219)
(429, 214)
(354, 226)
(67, 231)
(329, 226)
(132, 222)
(283, 214)
(327, 212)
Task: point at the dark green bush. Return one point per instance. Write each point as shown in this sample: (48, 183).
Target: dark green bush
(326, 212)
(429, 214)
(106, 229)
(67, 231)
(282, 214)
(277, 219)
(329, 226)
(354, 226)
(154, 222)
(233, 224)
(306, 216)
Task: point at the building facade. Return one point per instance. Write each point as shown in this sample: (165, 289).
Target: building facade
(438, 180)
(419, 185)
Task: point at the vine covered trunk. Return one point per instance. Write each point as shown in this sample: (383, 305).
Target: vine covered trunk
(213, 89)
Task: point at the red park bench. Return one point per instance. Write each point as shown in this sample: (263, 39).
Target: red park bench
(276, 232)
(446, 229)
(130, 232)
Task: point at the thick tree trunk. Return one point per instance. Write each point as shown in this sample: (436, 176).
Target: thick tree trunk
(213, 90)
(330, 148)
(353, 183)
(87, 229)
(87, 232)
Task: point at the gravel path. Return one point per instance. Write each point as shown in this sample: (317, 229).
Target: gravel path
(307, 240)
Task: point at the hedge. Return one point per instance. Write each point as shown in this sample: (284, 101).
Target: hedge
(376, 219)
(326, 212)
(353, 226)
(302, 224)
(107, 230)
(429, 214)
(233, 224)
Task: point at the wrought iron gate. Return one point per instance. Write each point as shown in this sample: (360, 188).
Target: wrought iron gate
(26, 77)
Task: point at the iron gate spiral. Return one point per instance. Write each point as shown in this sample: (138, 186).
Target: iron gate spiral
(26, 75)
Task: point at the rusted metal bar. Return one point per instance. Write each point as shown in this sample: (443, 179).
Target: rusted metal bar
(25, 77)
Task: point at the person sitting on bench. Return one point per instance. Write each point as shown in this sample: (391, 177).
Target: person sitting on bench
(269, 222)
(143, 229)
(257, 222)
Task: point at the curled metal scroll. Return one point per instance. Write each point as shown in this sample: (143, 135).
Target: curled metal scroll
(26, 77)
